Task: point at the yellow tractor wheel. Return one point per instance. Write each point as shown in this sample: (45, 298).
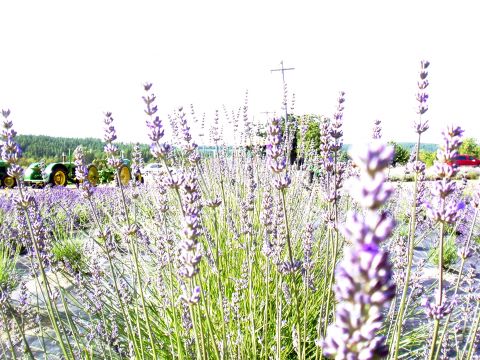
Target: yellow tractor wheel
(140, 179)
(124, 174)
(92, 175)
(59, 177)
(8, 181)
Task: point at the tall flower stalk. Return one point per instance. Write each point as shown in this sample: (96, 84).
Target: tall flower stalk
(420, 125)
(131, 230)
(277, 163)
(332, 143)
(443, 209)
(363, 280)
(464, 254)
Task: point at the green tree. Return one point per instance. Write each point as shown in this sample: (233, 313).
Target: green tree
(401, 154)
(312, 137)
(36, 147)
(428, 157)
(470, 147)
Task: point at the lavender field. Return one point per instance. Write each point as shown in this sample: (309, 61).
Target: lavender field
(244, 254)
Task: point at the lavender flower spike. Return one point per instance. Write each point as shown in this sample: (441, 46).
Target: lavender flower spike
(363, 279)
(110, 149)
(159, 150)
(421, 125)
(377, 129)
(9, 148)
(81, 173)
(444, 209)
(276, 159)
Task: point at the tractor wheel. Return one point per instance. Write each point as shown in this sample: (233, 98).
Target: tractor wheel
(139, 178)
(124, 175)
(92, 175)
(8, 181)
(59, 177)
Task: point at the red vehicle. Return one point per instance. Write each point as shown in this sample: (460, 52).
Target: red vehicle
(465, 160)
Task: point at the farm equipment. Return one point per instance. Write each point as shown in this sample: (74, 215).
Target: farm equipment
(62, 173)
(57, 173)
(5, 179)
(107, 174)
(124, 173)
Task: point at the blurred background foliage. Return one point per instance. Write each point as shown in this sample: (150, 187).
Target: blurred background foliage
(306, 129)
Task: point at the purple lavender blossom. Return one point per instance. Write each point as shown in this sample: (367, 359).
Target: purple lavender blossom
(438, 312)
(190, 249)
(336, 131)
(363, 279)
(175, 180)
(213, 203)
(308, 261)
(444, 207)
(110, 135)
(326, 140)
(137, 162)
(276, 159)
(194, 297)
(11, 152)
(377, 129)
(159, 150)
(81, 172)
(421, 125)
(215, 129)
(189, 146)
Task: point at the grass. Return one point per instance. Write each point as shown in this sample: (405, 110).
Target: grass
(8, 272)
(69, 252)
(450, 256)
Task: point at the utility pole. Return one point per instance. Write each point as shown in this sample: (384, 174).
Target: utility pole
(283, 69)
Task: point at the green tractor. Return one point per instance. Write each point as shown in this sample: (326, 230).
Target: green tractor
(5, 179)
(57, 173)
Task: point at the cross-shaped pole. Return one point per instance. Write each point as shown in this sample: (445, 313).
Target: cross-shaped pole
(282, 69)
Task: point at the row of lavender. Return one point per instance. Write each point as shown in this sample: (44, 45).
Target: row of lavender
(237, 256)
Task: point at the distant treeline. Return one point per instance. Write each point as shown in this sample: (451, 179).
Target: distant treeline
(49, 148)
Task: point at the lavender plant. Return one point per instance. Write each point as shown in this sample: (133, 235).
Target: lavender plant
(420, 125)
(443, 210)
(233, 256)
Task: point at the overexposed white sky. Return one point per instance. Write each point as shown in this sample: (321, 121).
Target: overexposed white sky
(64, 63)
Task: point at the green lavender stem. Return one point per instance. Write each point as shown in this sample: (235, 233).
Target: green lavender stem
(294, 284)
(436, 323)
(457, 285)
(411, 238)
